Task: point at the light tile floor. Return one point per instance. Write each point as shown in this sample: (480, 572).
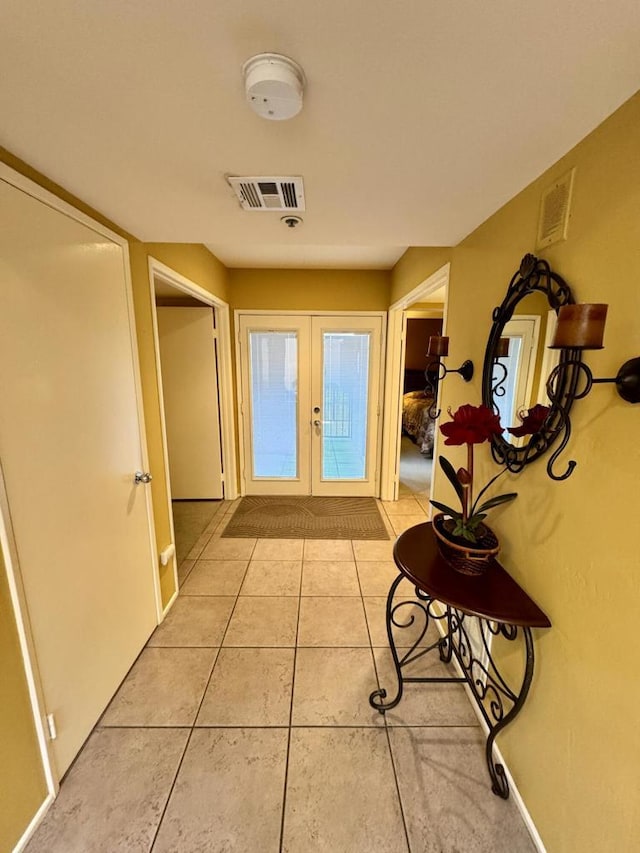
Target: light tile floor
(190, 519)
(244, 726)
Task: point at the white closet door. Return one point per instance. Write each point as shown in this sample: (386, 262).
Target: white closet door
(70, 442)
(187, 344)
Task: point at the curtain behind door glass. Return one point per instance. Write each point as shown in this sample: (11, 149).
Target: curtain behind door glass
(345, 375)
(274, 403)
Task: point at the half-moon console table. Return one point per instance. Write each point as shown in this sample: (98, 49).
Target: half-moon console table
(449, 598)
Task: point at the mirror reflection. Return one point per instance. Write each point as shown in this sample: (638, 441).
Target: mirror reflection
(518, 363)
(522, 362)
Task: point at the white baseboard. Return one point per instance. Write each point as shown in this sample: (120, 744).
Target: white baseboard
(513, 789)
(517, 797)
(35, 822)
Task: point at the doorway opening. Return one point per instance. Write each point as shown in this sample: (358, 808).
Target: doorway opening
(410, 439)
(418, 424)
(192, 345)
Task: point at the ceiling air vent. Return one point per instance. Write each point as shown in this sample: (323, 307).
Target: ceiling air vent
(269, 193)
(555, 207)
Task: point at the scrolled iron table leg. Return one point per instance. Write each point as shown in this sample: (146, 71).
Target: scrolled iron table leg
(376, 699)
(445, 646)
(499, 784)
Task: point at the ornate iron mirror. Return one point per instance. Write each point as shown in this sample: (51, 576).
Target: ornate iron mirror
(517, 365)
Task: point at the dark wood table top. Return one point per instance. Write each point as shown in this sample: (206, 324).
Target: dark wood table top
(493, 595)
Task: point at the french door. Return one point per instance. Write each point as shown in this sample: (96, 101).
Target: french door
(310, 389)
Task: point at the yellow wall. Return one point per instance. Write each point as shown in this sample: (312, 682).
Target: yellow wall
(575, 749)
(22, 783)
(310, 290)
(417, 264)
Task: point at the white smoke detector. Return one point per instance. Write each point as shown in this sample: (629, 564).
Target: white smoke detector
(274, 85)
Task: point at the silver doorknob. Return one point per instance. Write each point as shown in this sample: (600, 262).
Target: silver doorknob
(142, 477)
(317, 423)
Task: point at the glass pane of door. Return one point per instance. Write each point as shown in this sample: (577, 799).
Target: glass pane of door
(274, 403)
(345, 389)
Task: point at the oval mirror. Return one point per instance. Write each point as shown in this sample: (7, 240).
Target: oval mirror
(518, 363)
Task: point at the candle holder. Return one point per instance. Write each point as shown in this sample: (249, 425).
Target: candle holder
(581, 327)
(438, 348)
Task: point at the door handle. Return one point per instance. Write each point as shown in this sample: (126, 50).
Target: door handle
(142, 477)
(317, 423)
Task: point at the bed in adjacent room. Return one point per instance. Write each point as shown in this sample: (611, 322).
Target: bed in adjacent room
(416, 401)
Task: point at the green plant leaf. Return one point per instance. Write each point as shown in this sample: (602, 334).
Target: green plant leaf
(499, 499)
(469, 535)
(450, 472)
(475, 520)
(447, 510)
(464, 532)
(483, 490)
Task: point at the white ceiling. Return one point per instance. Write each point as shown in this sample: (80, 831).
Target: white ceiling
(421, 118)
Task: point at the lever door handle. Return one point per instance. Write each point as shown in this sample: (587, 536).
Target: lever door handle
(142, 477)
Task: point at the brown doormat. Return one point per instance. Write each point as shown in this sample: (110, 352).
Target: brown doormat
(307, 518)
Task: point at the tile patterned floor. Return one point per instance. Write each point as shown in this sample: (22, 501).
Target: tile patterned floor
(244, 726)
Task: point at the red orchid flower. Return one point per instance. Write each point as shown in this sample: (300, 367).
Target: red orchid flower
(471, 425)
(531, 421)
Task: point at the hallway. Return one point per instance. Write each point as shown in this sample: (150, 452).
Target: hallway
(245, 726)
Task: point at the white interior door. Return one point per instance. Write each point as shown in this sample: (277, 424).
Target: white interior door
(310, 413)
(345, 387)
(186, 339)
(70, 442)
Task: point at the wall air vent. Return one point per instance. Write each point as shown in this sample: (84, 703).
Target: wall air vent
(555, 208)
(269, 193)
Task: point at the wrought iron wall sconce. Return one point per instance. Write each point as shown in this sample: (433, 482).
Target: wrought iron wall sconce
(438, 348)
(581, 327)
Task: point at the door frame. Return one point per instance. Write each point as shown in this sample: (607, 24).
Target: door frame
(239, 312)
(394, 380)
(7, 537)
(158, 270)
(531, 357)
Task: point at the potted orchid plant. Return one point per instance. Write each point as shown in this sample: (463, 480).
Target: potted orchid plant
(463, 529)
